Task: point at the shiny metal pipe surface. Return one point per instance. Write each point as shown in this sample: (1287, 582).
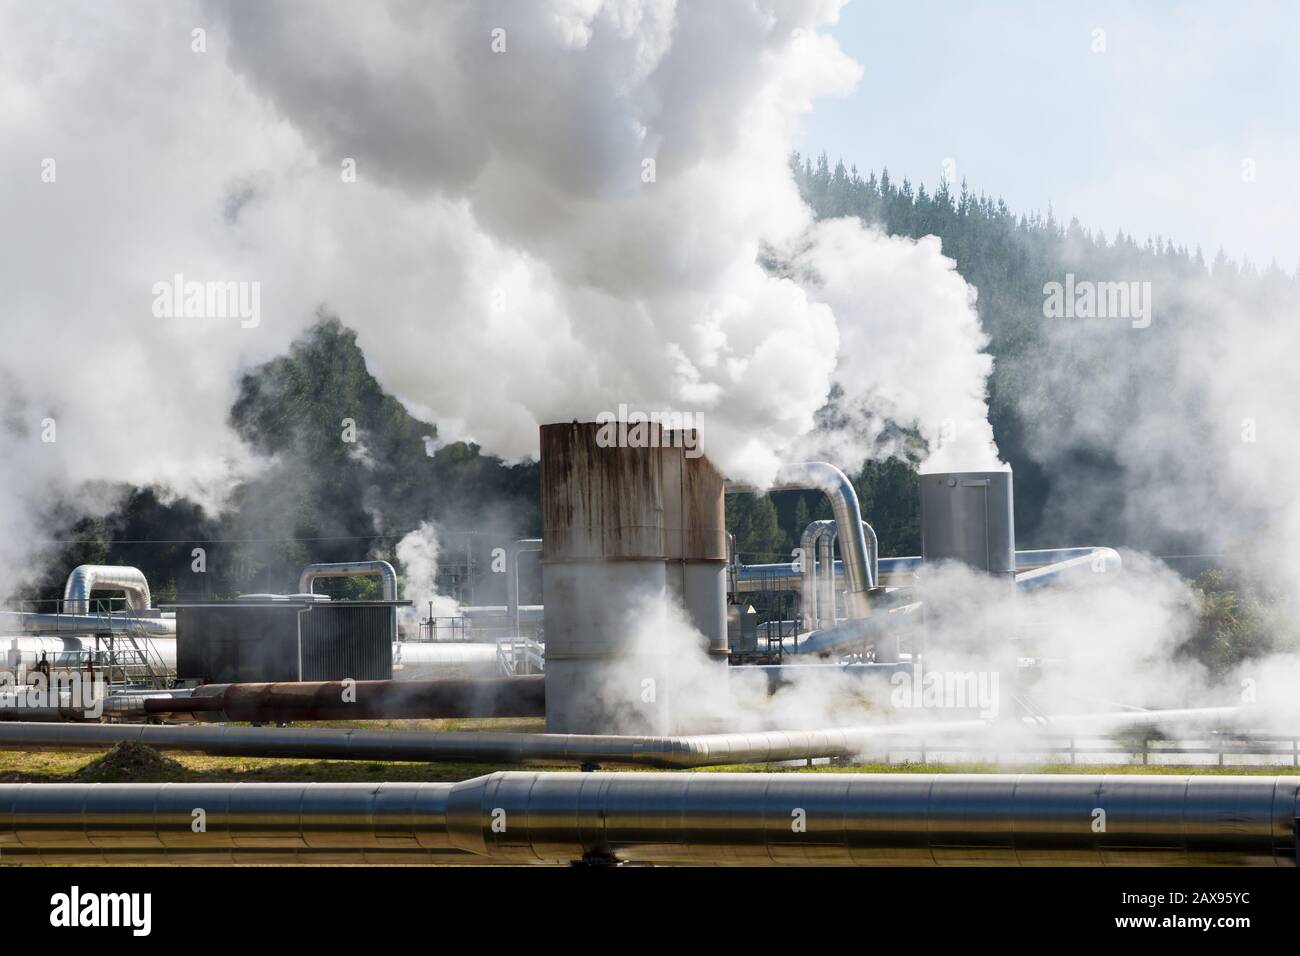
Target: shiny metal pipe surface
(1095, 561)
(826, 600)
(830, 481)
(809, 596)
(878, 819)
(687, 818)
(14, 623)
(699, 750)
(267, 817)
(86, 578)
(897, 572)
(513, 551)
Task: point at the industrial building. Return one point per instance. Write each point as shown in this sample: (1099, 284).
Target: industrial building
(634, 547)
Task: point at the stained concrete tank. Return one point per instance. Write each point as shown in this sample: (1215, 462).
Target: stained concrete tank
(626, 531)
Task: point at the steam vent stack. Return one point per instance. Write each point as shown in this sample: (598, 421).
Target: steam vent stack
(967, 516)
(631, 523)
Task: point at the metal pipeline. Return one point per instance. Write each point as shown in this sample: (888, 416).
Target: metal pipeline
(873, 553)
(830, 481)
(690, 818)
(826, 601)
(1093, 561)
(86, 578)
(360, 700)
(809, 598)
(699, 750)
(896, 572)
(513, 551)
(353, 569)
(826, 568)
(24, 622)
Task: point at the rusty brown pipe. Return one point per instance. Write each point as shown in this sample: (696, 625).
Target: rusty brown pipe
(361, 700)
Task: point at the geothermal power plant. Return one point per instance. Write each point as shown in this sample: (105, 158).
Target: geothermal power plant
(643, 653)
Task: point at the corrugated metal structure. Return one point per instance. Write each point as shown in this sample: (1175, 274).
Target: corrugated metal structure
(248, 642)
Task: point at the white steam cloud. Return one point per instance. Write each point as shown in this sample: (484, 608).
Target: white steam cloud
(529, 211)
(418, 553)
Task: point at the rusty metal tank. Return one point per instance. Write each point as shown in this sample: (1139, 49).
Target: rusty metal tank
(629, 530)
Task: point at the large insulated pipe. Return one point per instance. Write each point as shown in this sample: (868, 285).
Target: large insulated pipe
(900, 571)
(809, 598)
(692, 818)
(826, 600)
(1094, 561)
(86, 578)
(360, 700)
(85, 624)
(873, 553)
(699, 750)
(513, 551)
(830, 481)
(353, 569)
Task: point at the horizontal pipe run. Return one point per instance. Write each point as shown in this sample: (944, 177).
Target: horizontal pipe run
(892, 572)
(362, 700)
(700, 750)
(690, 818)
(244, 856)
(14, 623)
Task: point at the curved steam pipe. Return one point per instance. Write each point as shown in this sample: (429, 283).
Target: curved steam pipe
(826, 602)
(513, 551)
(355, 569)
(809, 599)
(830, 481)
(86, 578)
(351, 569)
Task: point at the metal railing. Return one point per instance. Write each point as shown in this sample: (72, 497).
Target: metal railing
(444, 629)
(519, 656)
(1222, 749)
(123, 652)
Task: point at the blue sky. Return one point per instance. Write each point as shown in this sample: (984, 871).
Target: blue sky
(1151, 135)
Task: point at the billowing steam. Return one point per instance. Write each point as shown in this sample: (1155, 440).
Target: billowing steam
(529, 211)
(418, 553)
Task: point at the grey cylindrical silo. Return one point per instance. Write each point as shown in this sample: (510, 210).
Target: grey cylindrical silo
(968, 516)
